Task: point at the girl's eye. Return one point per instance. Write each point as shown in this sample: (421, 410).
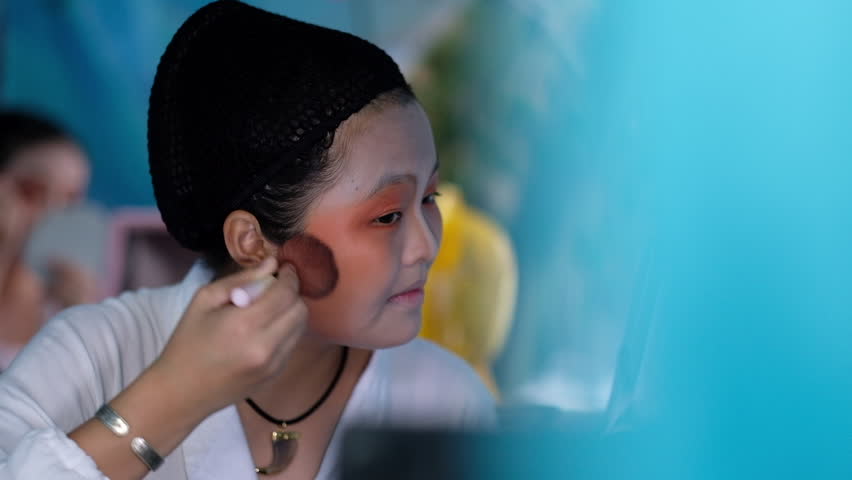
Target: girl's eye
(430, 199)
(388, 219)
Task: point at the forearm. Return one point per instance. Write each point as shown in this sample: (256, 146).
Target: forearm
(156, 410)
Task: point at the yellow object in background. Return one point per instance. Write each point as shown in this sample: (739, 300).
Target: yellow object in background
(472, 288)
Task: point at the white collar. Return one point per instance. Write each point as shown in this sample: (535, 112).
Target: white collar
(217, 449)
(198, 276)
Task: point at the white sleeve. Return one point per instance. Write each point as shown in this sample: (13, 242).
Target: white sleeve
(52, 387)
(477, 406)
(48, 453)
(480, 408)
(460, 390)
(433, 387)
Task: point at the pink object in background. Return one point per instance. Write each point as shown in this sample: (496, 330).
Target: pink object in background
(141, 253)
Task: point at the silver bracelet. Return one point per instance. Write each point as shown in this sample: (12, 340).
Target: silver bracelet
(148, 455)
(119, 426)
(112, 420)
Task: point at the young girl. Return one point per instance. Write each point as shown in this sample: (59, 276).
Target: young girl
(297, 160)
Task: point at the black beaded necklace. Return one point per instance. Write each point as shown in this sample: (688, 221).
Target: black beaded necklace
(285, 442)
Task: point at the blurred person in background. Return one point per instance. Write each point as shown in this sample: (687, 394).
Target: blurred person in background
(42, 169)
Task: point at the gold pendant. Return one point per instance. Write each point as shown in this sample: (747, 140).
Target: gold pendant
(284, 446)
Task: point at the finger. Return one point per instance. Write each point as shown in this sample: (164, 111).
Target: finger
(244, 296)
(287, 273)
(247, 294)
(292, 319)
(279, 296)
(218, 293)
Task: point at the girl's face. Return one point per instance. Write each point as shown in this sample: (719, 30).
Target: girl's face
(381, 222)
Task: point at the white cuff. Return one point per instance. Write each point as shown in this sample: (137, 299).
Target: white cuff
(49, 453)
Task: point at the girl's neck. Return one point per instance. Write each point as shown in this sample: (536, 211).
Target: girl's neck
(310, 369)
(308, 374)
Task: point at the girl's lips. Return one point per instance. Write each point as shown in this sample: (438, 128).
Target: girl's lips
(413, 298)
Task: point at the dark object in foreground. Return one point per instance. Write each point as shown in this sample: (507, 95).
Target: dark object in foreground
(414, 455)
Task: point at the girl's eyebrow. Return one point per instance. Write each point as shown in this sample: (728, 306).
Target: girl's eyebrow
(392, 179)
(397, 179)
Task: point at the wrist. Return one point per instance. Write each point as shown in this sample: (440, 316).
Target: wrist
(150, 409)
(156, 410)
(184, 395)
(113, 421)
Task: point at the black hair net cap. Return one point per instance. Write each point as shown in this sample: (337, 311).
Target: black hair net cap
(241, 94)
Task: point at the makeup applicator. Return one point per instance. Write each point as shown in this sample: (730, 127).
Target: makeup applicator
(315, 267)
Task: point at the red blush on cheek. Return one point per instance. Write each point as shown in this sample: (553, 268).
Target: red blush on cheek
(314, 262)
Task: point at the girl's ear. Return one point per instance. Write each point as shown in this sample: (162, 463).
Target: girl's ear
(244, 240)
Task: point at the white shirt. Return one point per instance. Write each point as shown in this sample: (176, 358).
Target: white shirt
(8, 352)
(87, 355)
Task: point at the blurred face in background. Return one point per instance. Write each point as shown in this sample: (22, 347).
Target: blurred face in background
(41, 178)
(49, 176)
